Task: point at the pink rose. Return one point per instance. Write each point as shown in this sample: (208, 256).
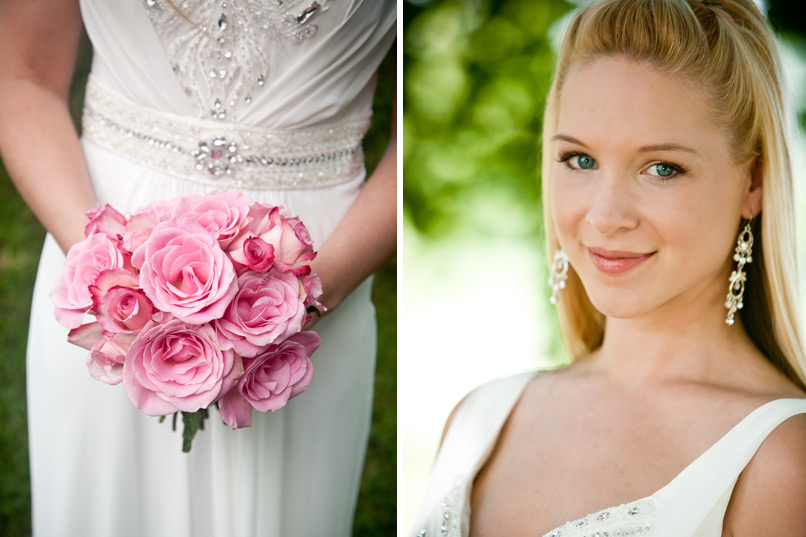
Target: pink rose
(270, 379)
(185, 273)
(85, 260)
(105, 220)
(107, 356)
(143, 222)
(289, 237)
(297, 247)
(256, 254)
(312, 291)
(223, 214)
(266, 308)
(119, 302)
(107, 350)
(177, 366)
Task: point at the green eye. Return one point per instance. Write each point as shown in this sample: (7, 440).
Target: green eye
(664, 170)
(584, 162)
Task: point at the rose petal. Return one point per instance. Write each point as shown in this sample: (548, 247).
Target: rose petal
(86, 335)
(234, 411)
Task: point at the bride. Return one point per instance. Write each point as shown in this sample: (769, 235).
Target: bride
(289, 85)
(670, 218)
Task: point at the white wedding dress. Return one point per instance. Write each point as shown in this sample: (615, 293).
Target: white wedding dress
(693, 504)
(185, 97)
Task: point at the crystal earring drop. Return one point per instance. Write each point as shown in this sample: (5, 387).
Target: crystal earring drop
(742, 256)
(559, 273)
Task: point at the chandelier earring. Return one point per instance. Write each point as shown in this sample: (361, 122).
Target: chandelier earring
(559, 273)
(738, 278)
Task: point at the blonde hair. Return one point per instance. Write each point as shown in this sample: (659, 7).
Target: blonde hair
(729, 51)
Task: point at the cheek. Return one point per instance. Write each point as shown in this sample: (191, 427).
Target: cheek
(702, 221)
(568, 199)
(708, 245)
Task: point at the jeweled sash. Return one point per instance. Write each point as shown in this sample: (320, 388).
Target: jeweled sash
(221, 154)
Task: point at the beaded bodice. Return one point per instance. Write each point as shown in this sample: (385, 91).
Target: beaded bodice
(222, 52)
(254, 94)
(271, 64)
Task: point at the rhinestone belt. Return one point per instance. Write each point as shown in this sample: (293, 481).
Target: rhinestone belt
(220, 154)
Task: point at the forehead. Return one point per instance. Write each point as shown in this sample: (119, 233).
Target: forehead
(620, 100)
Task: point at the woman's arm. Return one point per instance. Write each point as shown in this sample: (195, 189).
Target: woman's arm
(366, 236)
(38, 142)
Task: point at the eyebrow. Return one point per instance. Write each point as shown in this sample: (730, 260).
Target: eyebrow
(642, 149)
(666, 147)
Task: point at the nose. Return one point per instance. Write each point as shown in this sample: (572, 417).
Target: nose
(612, 204)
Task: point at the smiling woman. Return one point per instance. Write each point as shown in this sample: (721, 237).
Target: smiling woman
(633, 191)
(668, 194)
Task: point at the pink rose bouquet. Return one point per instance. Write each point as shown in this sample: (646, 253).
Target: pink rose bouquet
(194, 302)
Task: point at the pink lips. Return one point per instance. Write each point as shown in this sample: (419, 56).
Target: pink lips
(616, 261)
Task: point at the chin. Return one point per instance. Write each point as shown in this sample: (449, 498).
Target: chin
(619, 303)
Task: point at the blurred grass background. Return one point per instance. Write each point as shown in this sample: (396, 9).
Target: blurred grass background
(21, 238)
(475, 304)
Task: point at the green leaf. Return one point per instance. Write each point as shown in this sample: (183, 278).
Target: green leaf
(192, 422)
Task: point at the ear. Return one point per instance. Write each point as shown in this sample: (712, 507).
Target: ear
(753, 199)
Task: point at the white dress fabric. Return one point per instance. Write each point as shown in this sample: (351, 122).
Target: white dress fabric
(288, 86)
(693, 504)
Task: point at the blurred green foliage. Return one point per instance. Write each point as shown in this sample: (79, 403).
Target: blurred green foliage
(20, 241)
(377, 501)
(476, 73)
(475, 78)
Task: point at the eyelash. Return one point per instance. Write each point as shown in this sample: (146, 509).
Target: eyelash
(676, 168)
(565, 157)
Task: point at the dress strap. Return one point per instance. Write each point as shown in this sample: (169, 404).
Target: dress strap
(709, 480)
(467, 445)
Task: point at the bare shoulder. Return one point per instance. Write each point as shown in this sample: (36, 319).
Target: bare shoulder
(770, 495)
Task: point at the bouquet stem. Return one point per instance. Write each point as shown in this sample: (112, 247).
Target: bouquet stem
(192, 422)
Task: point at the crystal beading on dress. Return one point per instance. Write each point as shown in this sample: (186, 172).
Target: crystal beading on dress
(222, 155)
(627, 519)
(631, 518)
(219, 50)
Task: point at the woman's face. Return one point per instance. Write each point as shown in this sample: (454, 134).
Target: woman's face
(644, 192)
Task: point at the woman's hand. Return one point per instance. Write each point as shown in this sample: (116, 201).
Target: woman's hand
(38, 142)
